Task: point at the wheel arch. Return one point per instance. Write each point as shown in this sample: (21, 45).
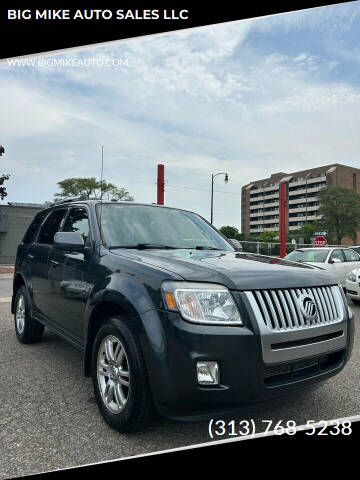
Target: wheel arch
(100, 313)
(18, 282)
(113, 296)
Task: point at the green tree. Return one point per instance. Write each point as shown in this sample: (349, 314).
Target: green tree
(92, 188)
(3, 192)
(230, 232)
(340, 210)
(3, 178)
(268, 236)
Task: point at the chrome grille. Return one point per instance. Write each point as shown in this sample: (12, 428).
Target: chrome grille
(279, 309)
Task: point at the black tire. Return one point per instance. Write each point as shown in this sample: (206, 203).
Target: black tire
(356, 301)
(138, 411)
(32, 330)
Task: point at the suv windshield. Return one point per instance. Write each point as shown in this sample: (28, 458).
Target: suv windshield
(308, 255)
(134, 225)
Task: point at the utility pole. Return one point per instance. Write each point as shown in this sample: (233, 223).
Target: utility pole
(160, 184)
(283, 204)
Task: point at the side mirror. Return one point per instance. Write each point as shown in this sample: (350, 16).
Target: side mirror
(235, 244)
(69, 241)
(334, 260)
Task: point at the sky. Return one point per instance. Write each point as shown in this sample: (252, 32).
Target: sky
(250, 98)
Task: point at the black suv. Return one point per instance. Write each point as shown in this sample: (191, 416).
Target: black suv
(170, 318)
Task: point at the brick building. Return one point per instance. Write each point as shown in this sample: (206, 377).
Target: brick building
(260, 199)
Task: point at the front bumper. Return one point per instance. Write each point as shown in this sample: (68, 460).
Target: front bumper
(353, 289)
(173, 346)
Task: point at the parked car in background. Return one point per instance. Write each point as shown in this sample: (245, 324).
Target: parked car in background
(356, 248)
(236, 244)
(353, 285)
(339, 261)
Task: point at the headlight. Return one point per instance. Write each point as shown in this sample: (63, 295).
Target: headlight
(202, 302)
(352, 277)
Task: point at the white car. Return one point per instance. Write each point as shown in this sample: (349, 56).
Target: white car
(353, 285)
(337, 260)
(356, 248)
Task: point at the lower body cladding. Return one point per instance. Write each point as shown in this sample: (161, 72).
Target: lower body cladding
(174, 349)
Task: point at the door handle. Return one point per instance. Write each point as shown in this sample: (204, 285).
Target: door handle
(30, 257)
(54, 263)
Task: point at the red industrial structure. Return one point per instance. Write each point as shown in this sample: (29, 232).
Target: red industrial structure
(283, 220)
(160, 184)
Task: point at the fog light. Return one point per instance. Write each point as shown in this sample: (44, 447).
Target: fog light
(208, 373)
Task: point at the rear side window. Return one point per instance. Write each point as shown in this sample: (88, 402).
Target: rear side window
(34, 226)
(351, 256)
(77, 221)
(51, 226)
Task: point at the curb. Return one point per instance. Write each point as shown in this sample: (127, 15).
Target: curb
(7, 269)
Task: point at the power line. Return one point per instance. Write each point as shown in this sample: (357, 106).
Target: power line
(202, 189)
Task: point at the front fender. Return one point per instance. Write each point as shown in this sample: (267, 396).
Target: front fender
(132, 296)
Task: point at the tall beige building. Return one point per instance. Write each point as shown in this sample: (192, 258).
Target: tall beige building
(260, 199)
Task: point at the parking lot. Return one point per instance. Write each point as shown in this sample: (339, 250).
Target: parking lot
(49, 419)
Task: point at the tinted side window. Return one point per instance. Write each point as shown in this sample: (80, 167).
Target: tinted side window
(351, 256)
(77, 221)
(51, 226)
(33, 227)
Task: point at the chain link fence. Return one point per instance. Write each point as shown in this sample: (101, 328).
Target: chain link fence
(273, 248)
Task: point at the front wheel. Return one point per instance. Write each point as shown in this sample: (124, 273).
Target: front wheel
(27, 329)
(120, 377)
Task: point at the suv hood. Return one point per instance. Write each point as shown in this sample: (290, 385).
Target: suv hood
(235, 270)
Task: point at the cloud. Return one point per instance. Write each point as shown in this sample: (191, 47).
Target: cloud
(219, 98)
(26, 112)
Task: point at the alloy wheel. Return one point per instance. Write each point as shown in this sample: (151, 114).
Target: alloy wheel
(20, 314)
(113, 374)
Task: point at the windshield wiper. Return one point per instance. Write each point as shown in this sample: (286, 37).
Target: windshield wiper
(144, 246)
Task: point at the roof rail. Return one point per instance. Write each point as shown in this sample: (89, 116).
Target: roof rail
(73, 199)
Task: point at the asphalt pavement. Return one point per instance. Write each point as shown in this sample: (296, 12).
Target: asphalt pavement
(49, 419)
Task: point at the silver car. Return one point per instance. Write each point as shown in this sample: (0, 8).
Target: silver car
(337, 260)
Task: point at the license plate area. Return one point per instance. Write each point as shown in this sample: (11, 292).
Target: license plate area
(287, 372)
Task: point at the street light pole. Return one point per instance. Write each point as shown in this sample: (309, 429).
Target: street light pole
(213, 176)
(212, 198)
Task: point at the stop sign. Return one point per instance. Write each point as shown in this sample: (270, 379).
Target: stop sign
(320, 241)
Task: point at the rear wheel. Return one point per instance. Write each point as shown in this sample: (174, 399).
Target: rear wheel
(120, 377)
(27, 329)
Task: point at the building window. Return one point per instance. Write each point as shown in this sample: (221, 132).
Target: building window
(354, 181)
